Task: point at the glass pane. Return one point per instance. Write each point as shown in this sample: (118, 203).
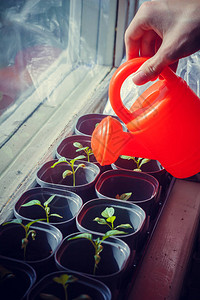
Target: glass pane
(33, 34)
(45, 41)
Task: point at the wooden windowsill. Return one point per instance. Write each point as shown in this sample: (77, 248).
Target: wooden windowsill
(164, 266)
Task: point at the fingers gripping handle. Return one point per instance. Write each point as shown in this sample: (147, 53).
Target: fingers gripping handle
(120, 76)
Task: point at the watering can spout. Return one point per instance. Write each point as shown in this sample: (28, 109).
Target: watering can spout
(109, 141)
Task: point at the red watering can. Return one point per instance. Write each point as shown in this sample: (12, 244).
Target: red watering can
(163, 124)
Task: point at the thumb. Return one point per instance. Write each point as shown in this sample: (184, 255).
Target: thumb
(150, 69)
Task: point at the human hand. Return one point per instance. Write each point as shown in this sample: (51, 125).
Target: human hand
(164, 31)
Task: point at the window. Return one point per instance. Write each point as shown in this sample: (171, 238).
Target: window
(44, 42)
(56, 61)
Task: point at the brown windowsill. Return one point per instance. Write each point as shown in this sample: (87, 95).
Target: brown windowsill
(165, 263)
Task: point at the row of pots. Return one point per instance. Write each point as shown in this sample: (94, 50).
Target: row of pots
(50, 251)
(18, 281)
(73, 209)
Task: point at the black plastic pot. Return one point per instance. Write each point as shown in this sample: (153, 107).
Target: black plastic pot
(153, 167)
(86, 124)
(84, 285)
(85, 178)
(39, 253)
(78, 255)
(68, 150)
(65, 203)
(16, 279)
(125, 212)
(144, 187)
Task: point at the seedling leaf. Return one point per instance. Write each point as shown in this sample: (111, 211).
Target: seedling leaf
(32, 202)
(65, 278)
(111, 219)
(137, 170)
(80, 157)
(126, 157)
(32, 222)
(49, 200)
(77, 145)
(113, 232)
(139, 159)
(55, 215)
(144, 161)
(81, 235)
(17, 221)
(80, 149)
(100, 221)
(81, 166)
(124, 196)
(125, 226)
(33, 234)
(108, 212)
(61, 159)
(66, 173)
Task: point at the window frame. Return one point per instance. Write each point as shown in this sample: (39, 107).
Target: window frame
(24, 151)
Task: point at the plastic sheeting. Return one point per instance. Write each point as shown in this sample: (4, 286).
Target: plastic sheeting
(33, 34)
(42, 40)
(188, 69)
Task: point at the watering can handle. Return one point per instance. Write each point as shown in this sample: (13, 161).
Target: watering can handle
(119, 77)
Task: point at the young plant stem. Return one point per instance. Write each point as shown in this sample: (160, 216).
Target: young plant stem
(97, 244)
(109, 218)
(46, 212)
(27, 232)
(74, 171)
(65, 291)
(65, 280)
(138, 161)
(73, 174)
(71, 164)
(87, 150)
(45, 207)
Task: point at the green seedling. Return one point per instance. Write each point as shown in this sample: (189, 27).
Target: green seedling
(97, 243)
(64, 280)
(124, 196)
(109, 218)
(28, 232)
(87, 150)
(45, 207)
(139, 161)
(71, 164)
